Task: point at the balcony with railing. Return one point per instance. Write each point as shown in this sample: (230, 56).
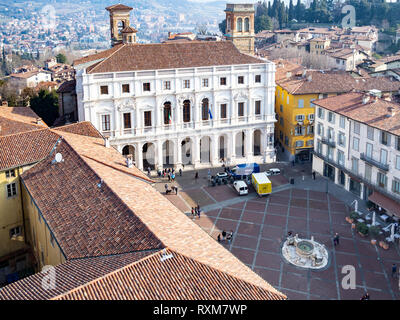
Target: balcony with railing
(328, 142)
(371, 161)
(366, 180)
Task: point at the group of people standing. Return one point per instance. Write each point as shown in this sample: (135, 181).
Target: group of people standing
(225, 236)
(170, 173)
(196, 211)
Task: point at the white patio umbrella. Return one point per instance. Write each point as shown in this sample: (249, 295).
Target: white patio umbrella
(392, 233)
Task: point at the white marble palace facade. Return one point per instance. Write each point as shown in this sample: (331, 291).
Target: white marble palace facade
(163, 117)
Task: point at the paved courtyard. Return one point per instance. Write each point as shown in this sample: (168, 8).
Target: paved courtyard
(260, 226)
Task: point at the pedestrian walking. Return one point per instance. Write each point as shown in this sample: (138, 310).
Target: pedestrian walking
(193, 212)
(292, 163)
(230, 236)
(180, 172)
(223, 234)
(219, 237)
(394, 270)
(365, 296)
(148, 171)
(336, 239)
(176, 190)
(313, 175)
(169, 177)
(196, 176)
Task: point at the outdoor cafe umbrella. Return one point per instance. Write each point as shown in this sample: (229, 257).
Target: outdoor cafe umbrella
(392, 233)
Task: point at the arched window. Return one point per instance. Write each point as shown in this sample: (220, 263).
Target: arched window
(167, 113)
(204, 109)
(246, 25)
(186, 111)
(239, 25)
(121, 26)
(228, 24)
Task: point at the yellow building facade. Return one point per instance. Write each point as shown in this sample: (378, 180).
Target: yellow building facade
(295, 126)
(45, 247)
(11, 218)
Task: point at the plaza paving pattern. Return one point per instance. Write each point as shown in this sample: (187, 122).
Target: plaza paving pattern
(260, 226)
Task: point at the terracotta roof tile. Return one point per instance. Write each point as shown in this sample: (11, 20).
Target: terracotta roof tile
(86, 217)
(22, 114)
(26, 148)
(67, 86)
(84, 128)
(98, 56)
(8, 127)
(118, 7)
(70, 275)
(132, 57)
(375, 112)
(177, 278)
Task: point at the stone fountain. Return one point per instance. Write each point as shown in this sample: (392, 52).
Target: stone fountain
(305, 253)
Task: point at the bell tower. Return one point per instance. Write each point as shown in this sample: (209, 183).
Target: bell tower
(240, 26)
(119, 20)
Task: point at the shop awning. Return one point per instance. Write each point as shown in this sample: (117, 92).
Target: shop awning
(391, 206)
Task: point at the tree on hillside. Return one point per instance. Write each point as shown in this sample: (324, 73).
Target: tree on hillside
(222, 26)
(262, 23)
(291, 11)
(61, 58)
(45, 104)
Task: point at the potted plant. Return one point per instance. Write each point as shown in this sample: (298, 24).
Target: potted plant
(362, 229)
(353, 216)
(374, 232)
(384, 245)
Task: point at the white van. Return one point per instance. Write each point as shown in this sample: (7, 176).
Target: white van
(273, 172)
(241, 187)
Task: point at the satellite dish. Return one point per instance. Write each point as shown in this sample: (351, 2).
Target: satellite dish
(59, 157)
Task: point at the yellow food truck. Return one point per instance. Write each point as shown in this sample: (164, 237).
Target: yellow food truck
(261, 183)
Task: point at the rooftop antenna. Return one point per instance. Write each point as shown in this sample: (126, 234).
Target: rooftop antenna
(58, 158)
(165, 255)
(100, 183)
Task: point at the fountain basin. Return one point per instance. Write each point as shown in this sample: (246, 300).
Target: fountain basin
(305, 248)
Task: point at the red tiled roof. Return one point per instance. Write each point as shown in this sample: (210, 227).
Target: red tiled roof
(84, 128)
(98, 56)
(86, 218)
(70, 275)
(118, 7)
(26, 148)
(67, 86)
(8, 127)
(177, 278)
(374, 113)
(133, 57)
(22, 114)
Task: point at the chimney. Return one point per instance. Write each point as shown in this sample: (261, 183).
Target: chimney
(366, 98)
(129, 161)
(387, 97)
(107, 142)
(288, 74)
(392, 111)
(309, 78)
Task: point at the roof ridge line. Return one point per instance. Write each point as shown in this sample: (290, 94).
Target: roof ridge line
(29, 131)
(108, 274)
(118, 169)
(108, 57)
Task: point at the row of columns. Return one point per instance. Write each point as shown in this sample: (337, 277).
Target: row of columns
(198, 146)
